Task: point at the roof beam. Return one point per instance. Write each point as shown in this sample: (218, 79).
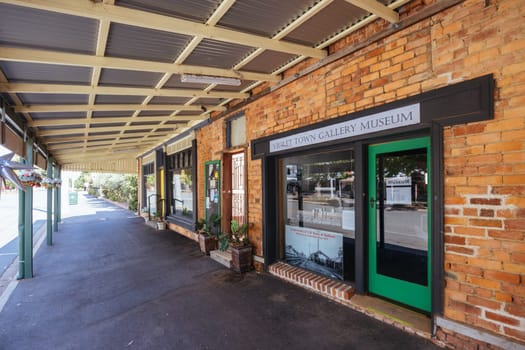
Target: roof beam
(80, 144)
(73, 59)
(376, 8)
(150, 20)
(106, 148)
(77, 158)
(58, 140)
(113, 90)
(115, 107)
(109, 120)
(116, 129)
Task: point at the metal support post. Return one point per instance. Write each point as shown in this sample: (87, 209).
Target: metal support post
(49, 236)
(28, 222)
(57, 200)
(21, 245)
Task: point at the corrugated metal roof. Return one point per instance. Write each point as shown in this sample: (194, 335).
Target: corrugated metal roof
(213, 53)
(145, 44)
(208, 101)
(268, 61)
(49, 73)
(265, 18)
(53, 99)
(119, 99)
(124, 77)
(334, 18)
(47, 30)
(195, 10)
(126, 45)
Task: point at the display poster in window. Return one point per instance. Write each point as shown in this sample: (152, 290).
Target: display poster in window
(212, 183)
(315, 250)
(398, 190)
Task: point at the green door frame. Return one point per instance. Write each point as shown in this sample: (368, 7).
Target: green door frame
(206, 184)
(405, 292)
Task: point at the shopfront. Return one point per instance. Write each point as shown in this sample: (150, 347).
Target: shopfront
(181, 204)
(360, 198)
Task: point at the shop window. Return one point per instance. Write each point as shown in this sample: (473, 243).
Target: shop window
(236, 132)
(180, 184)
(149, 188)
(318, 211)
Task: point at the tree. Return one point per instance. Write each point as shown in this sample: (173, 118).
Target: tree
(80, 182)
(115, 187)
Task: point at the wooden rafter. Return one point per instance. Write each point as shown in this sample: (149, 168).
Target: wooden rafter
(116, 129)
(60, 140)
(152, 121)
(82, 60)
(115, 107)
(377, 8)
(113, 90)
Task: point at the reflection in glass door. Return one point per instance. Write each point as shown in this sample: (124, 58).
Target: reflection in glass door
(399, 212)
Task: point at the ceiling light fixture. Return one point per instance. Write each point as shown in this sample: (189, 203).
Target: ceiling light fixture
(207, 79)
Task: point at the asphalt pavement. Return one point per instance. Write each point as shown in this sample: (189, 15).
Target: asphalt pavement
(112, 282)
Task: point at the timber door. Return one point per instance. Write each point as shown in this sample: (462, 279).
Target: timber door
(399, 221)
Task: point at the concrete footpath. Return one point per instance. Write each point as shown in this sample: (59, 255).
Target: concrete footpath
(112, 282)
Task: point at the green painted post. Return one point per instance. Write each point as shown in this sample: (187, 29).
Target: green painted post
(57, 200)
(21, 245)
(28, 222)
(49, 236)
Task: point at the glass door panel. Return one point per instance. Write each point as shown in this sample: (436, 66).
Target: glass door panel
(399, 265)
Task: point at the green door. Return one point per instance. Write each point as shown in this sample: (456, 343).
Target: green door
(399, 221)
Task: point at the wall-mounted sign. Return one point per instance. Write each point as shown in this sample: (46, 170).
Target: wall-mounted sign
(398, 190)
(394, 118)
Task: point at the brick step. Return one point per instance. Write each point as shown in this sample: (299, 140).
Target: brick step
(336, 290)
(223, 258)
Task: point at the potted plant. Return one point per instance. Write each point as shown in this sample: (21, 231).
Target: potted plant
(208, 233)
(30, 178)
(240, 247)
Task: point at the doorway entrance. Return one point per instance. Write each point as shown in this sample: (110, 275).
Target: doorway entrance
(399, 221)
(234, 189)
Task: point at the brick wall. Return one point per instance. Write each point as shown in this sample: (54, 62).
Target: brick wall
(210, 142)
(484, 162)
(485, 168)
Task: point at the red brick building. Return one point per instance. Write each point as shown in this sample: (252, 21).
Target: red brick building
(375, 149)
(393, 168)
